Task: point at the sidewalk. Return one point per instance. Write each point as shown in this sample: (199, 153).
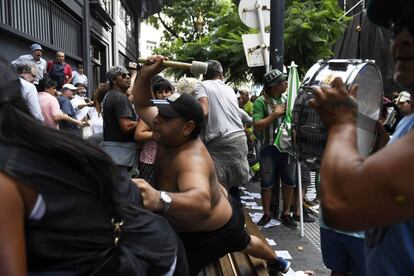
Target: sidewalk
(305, 252)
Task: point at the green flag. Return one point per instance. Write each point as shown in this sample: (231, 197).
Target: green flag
(283, 140)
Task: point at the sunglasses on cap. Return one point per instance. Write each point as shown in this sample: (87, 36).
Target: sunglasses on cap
(124, 75)
(401, 23)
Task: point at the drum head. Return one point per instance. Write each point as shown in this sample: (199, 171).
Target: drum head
(309, 133)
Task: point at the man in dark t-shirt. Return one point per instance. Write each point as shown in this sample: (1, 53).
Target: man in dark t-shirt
(119, 123)
(119, 115)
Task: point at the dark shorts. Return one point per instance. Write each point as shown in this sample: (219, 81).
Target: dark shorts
(204, 248)
(276, 165)
(343, 253)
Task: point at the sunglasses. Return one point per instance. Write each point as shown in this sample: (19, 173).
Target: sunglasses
(401, 23)
(124, 75)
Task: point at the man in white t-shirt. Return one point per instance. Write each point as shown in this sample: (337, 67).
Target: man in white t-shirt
(79, 76)
(224, 134)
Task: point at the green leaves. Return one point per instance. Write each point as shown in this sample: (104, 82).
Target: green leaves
(311, 29)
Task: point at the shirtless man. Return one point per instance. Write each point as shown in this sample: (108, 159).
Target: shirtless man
(209, 222)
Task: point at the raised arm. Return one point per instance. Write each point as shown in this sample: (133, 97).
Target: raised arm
(142, 89)
(351, 186)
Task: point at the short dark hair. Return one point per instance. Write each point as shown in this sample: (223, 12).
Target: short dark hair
(214, 70)
(161, 85)
(46, 83)
(81, 84)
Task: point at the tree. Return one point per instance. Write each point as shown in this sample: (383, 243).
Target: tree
(311, 28)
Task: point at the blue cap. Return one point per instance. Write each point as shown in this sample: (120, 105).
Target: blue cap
(35, 47)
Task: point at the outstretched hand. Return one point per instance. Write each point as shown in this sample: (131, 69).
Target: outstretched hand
(334, 104)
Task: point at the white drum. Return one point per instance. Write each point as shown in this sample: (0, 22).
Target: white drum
(309, 133)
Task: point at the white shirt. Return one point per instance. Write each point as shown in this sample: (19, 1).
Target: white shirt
(78, 78)
(224, 116)
(76, 101)
(95, 120)
(40, 65)
(29, 93)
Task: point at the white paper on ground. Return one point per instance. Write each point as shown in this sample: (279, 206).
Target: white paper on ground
(255, 216)
(284, 254)
(271, 242)
(256, 195)
(291, 272)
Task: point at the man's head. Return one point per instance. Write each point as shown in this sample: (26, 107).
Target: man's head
(274, 83)
(80, 68)
(26, 71)
(399, 16)
(68, 90)
(60, 57)
(47, 85)
(244, 96)
(214, 70)
(403, 102)
(36, 51)
(178, 115)
(81, 88)
(118, 78)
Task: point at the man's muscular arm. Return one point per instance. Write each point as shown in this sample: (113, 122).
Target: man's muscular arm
(191, 206)
(142, 89)
(351, 186)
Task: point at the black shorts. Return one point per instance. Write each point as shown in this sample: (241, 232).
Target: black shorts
(204, 248)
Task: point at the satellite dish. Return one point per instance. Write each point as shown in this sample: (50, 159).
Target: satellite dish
(248, 12)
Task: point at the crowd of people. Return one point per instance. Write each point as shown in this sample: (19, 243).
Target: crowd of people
(144, 178)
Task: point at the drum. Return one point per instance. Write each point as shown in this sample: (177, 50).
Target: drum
(309, 133)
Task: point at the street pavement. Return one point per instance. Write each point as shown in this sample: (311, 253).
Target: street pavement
(305, 252)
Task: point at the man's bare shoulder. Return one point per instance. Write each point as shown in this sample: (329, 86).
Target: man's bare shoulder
(192, 155)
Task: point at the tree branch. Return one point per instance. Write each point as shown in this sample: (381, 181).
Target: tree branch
(168, 28)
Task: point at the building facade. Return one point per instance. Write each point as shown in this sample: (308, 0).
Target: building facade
(97, 33)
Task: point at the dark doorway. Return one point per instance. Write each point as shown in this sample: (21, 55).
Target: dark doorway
(98, 62)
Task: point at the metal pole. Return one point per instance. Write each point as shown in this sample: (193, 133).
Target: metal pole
(277, 18)
(300, 198)
(263, 46)
(86, 47)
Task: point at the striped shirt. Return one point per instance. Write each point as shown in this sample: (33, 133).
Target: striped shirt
(262, 107)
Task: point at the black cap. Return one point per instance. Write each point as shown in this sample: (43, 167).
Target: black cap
(273, 77)
(384, 12)
(181, 106)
